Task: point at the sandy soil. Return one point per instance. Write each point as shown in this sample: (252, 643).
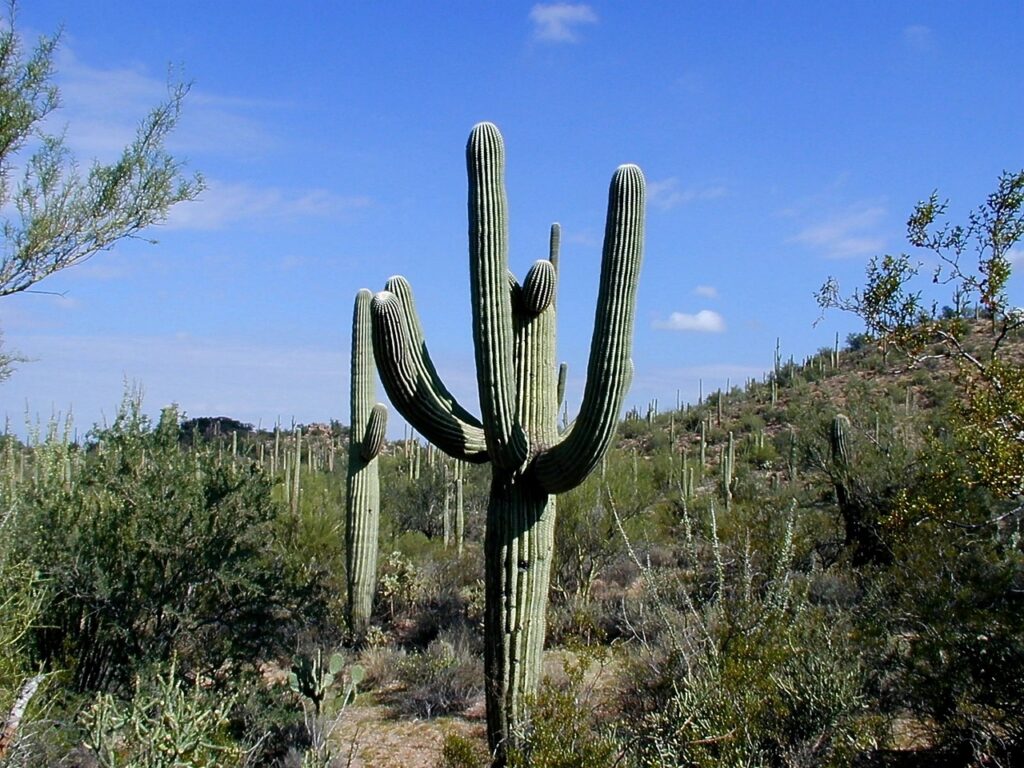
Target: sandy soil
(375, 739)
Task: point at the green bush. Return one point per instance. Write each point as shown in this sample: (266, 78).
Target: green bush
(150, 551)
(461, 752)
(564, 730)
(166, 724)
(737, 667)
(443, 679)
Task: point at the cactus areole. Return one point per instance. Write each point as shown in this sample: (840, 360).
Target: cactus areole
(362, 515)
(517, 377)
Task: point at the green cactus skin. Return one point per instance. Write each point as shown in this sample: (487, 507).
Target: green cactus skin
(839, 440)
(362, 517)
(514, 341)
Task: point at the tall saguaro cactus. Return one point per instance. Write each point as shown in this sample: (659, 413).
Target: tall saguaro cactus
(514, 339)
(368, 426)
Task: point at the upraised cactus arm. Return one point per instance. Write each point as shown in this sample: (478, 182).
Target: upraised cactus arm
(610, 369)
(412, 393)
(491, 303)
(399, 286)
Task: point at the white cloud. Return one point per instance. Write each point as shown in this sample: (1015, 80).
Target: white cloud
(705, 321)
(707, 291)
(556, 22)
(666, 194)
(1015, 256)
(846, 234)
(223, 203)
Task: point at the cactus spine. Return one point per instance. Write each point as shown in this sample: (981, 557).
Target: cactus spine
(514, 342)
(362, 517)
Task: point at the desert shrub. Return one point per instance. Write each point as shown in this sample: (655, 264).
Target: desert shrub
(381, 664)
(564, 729)
(737, 667)
(459, 751)
(149, 551)
(166, 723)
(443, 679)
(948, 634)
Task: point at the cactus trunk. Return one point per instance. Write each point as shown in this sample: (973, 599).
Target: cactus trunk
(363, 489)
(514, 340)
(518, 549)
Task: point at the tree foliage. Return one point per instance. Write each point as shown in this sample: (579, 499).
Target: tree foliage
(990, 419)
(59, 215)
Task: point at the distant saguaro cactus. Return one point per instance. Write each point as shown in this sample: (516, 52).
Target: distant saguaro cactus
(514, 339)
(856, 502)
(362, 517)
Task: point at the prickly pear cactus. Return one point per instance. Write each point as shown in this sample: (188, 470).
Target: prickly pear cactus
(517, 378)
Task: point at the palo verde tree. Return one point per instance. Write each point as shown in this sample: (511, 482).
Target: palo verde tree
(975, 262)
(514, 340)
(54, 216)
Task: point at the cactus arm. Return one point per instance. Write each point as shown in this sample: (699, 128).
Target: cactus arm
(554, 243)
(362, 488)
(609, 372)
(563, 375)
(376, 430)
(491, 302)
(539, 287)
(411, 392)
(399, 286)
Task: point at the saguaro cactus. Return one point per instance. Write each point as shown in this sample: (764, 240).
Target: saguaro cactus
(514, 339)
(362, 517)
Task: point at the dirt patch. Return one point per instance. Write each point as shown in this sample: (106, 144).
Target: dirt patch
(376, 739)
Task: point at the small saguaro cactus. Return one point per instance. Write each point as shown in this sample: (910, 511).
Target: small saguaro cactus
(362, 517)
(728, 466)
(517, 378)
(855, 505)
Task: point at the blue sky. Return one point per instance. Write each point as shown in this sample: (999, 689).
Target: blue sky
(782, 142)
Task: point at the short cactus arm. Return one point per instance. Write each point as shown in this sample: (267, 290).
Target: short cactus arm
(413, 394)
(491, 302)
(376, 430)
(539, 287)
(610, 369)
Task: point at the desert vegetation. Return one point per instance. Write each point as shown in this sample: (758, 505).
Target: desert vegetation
(819, 567)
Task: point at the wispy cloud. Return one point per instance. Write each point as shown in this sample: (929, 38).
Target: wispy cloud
(103, 106)
(705, 321)
(667, 193)
(223, 203)
(1015, 256)
(557, 22)
(707, 291)
(846, 234)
